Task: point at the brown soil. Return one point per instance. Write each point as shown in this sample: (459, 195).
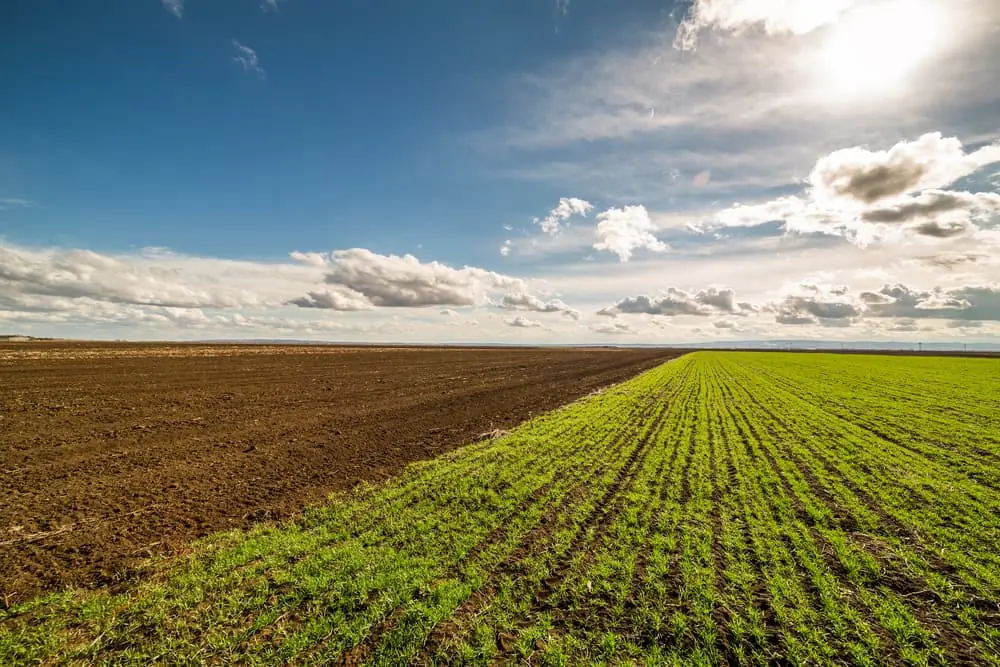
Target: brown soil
(110, 453)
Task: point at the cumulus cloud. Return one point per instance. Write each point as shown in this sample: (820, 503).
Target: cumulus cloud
(393, 281)
(859, 194)
(866, 176)
(154, 321)
(793, 319)
(934, 204)
(974, 302)
(964, 324)
(75, 274)
(552, 224)
(613, 328)
(674, 302)
(248, 59)
(942, 229)
(310, 258)
(720, 299)
(522, 322)
(875, 298)
(624, 230)
(332, 300)
(776, 17)
(798, 215)
(816, 306)
(832, 306)
(522, 301)
(175, 7)
(952, 261)
(827, 305)
(905, 325)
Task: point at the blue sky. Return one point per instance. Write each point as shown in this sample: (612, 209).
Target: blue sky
(358, 130)
(514, 171)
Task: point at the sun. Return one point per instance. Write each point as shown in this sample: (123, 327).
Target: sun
(876, 48)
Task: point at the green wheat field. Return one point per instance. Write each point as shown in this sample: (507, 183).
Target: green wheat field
(724, 508)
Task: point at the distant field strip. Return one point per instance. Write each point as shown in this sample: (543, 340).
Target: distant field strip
(724, 508)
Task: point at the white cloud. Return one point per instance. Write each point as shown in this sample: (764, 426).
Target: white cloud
(613, 328)
(973, 302)
(755, 111)
(310, 258)
(552, 224)
(522, 322)
(810, 303)
(270, 5)
(624, 230)
(860, 194)
(776, 17)
(40, 275)
(721, 299)
(674, 302)
(394, 281)
(505, 248)
(527, 302)
(8, 203)
(934, 204)
(332, 300)
(247, 58)
(861, 175)
(818, 304)
(950, 261)
(175, 7)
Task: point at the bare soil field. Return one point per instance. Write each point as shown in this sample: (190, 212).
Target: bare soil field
(111, 453)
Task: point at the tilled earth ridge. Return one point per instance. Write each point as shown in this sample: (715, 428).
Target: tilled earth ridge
(111, 453)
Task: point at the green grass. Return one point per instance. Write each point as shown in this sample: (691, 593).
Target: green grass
(725, 508)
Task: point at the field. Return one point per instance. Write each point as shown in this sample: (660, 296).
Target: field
(112, 453)
(721, 508)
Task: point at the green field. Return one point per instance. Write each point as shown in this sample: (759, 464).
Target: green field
(724, 508)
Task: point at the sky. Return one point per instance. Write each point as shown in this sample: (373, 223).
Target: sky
(516, 171)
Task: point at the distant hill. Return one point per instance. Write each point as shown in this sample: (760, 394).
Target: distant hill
(805, 344)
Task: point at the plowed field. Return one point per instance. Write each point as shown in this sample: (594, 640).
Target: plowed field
(111, 453)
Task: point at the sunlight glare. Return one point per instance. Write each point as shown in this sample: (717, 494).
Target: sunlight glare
(876, 48)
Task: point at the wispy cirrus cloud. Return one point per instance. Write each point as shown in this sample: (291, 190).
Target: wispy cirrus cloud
(754, 109)
(247, 58)
(775, 17)
(8, 203)
(175, 7)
